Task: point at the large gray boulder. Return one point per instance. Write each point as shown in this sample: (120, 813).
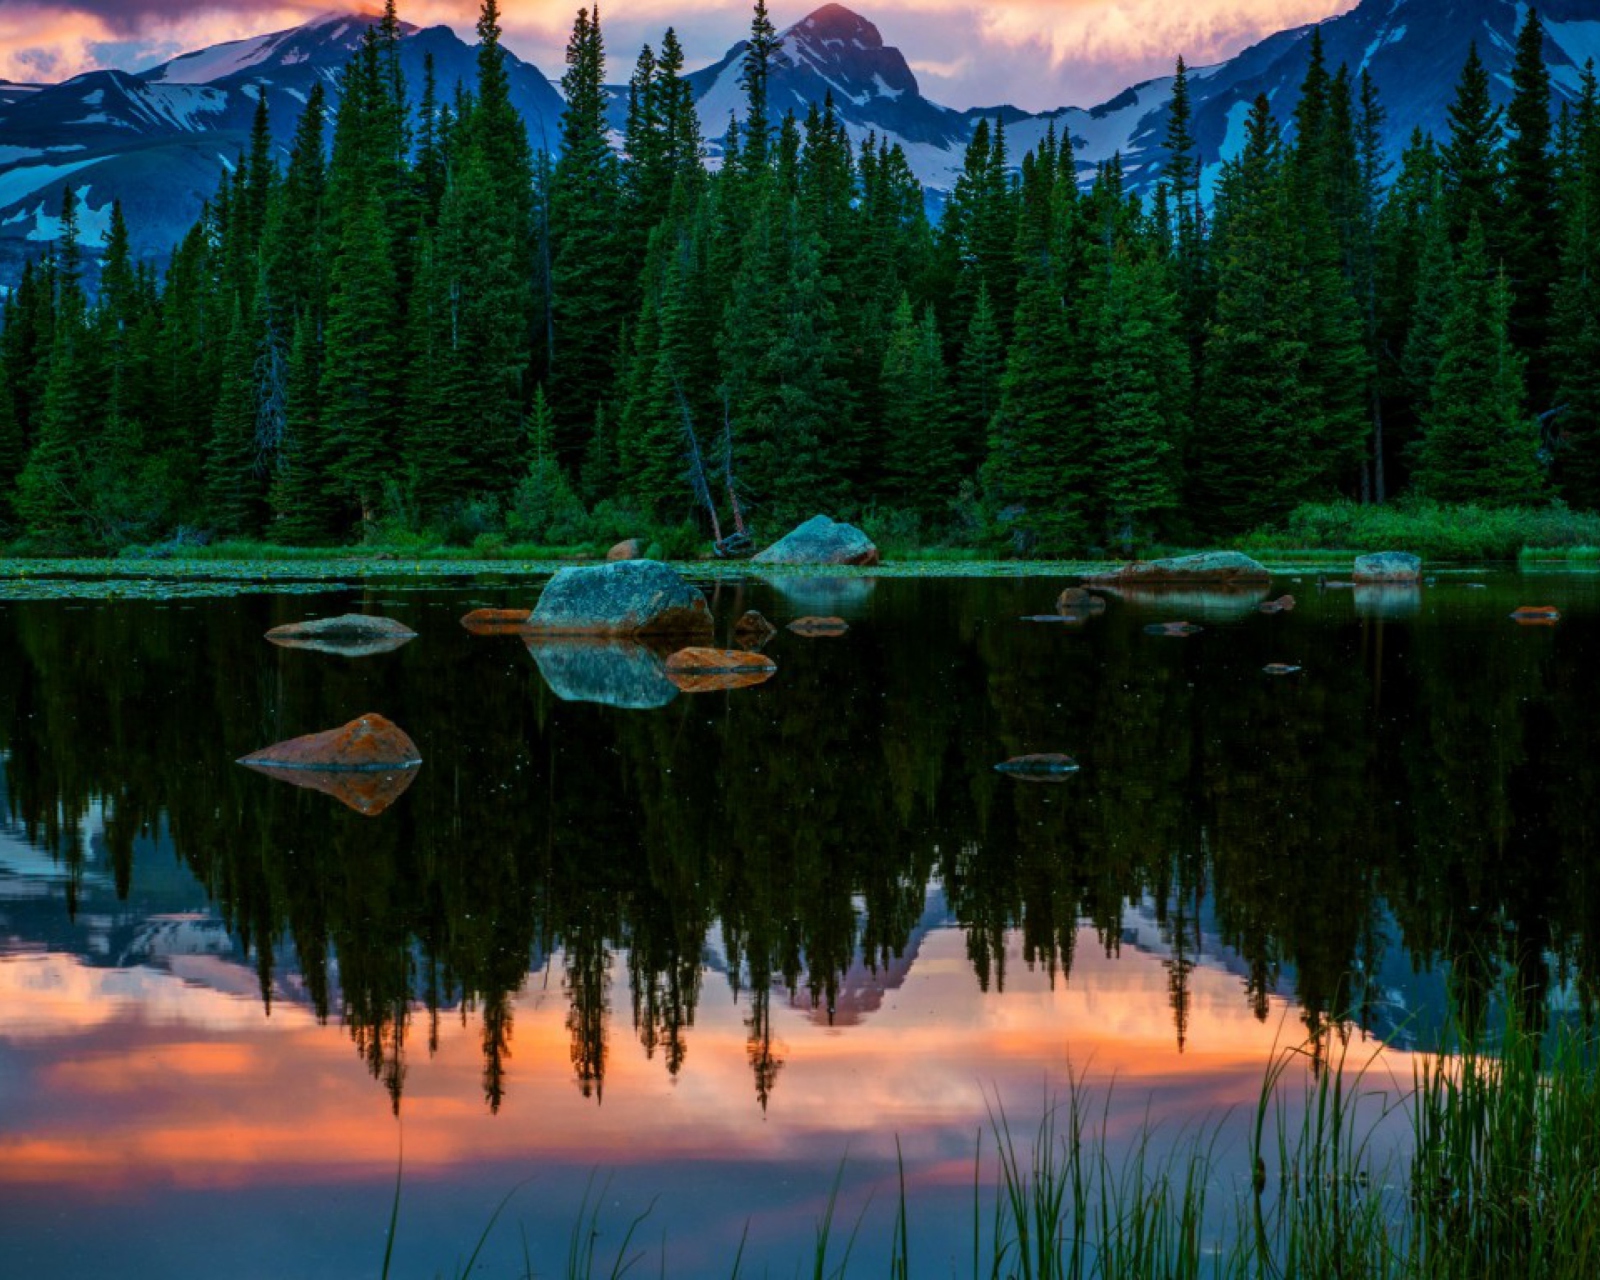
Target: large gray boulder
(1207, 566)
(1388, 566)
(628, 598)
(821, 541)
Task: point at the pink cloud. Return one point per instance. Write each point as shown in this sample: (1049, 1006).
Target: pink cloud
(1034, 53)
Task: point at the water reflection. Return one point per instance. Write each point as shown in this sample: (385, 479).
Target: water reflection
(1418, 799)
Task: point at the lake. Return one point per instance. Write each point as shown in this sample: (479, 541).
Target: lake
(692, 958)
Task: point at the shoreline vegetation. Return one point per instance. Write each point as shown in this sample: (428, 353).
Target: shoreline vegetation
(1314, 535)
(1486, 1163)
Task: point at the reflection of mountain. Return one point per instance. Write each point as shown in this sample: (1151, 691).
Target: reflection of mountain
(863, 987)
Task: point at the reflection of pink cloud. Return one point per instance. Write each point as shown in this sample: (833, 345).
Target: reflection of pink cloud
(182, 1086)
(1036, 53)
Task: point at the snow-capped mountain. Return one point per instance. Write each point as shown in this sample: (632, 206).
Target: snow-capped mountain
(1413, 48)
(162, 139)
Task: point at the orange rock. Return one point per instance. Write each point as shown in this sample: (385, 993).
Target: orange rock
(1536, 615)
(1075, 600)
(1281, 605)
(819, 626)
(369, 743)
(711, 670)
(497, 622)
(627, 549)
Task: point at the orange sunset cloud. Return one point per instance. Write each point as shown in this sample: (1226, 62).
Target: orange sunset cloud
(1037, 54)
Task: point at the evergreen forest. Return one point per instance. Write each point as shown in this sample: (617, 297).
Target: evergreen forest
(405, 322)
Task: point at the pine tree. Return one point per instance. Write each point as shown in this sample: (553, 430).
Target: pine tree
(1038, 473)
(1141, 379)
(49, 496)
(1576, 349)
(1532, 251)
(1254, 450)
(759, 51)
(1478, 443)
(545, 506)
(234, 488)
(361, 368)
(304, 509)
(982, 368)
(589, 297)
(918, 423)
(1471, 158)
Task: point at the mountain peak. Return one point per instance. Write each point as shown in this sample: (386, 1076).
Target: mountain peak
(833, 24)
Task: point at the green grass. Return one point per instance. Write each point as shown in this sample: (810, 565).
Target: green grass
(1431, 530)
(1484, 1164)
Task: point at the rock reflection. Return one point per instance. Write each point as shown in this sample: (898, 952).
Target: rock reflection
(615, 673)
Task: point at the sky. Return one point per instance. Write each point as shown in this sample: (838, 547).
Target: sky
(965, 52)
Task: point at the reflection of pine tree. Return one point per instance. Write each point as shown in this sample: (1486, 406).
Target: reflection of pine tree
(496, 1048)
(765, 1059)
(588, 971)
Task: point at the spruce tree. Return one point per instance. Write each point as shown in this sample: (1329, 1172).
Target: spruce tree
(918, 423)
(1141, 375)
(1254, 451)
(978, 385)
(545, 507)
(1478, 443)
(360, 374)
(589, 297)
(50, 495)
(1038, 473)
(304, 510)
(233, 486)
(1471, 158)
(1576, 346)
(1532, 249)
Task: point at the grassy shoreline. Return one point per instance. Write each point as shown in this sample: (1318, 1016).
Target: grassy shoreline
(1486, 1164)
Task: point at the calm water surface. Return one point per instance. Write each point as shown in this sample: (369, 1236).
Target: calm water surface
(703, 949)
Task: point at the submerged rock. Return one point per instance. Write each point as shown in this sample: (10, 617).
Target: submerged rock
(1043, 767)
(1172, 629)
(1207, 566)
(497, 622)
(613, 673)
(1387, 566)
(1067, 619)
(754, 627)
(1279, 669)
(819, 626)
(1283, 604)
(1536, 615)
(712, 670)
(1075, 601)
(631, 597)
(821, 541)
(370, 743)
(352, 635)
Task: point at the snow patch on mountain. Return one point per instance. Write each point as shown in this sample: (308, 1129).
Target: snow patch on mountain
(19, 183)
(221, 60)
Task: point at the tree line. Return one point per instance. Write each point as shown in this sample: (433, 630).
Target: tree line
(418, 322)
